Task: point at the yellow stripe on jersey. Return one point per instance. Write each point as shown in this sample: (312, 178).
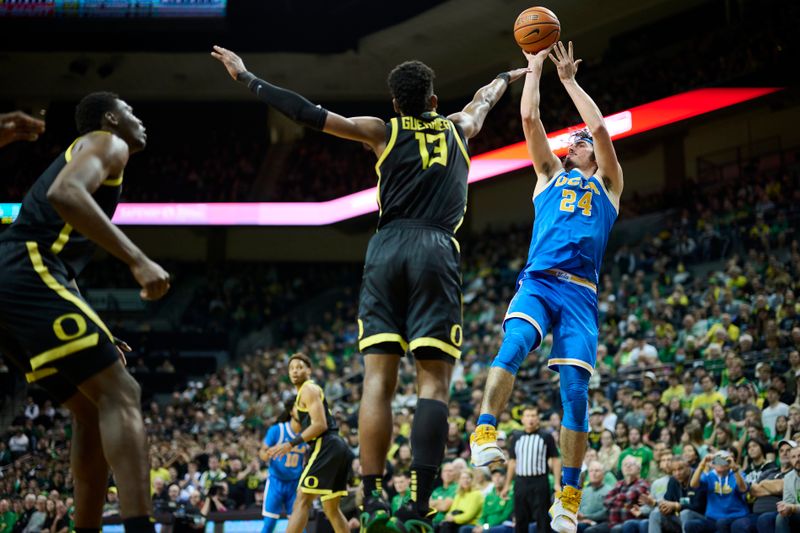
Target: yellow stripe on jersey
(114, 182)
(62, 239)
(62, 291)
(460, 144)
(389, 146)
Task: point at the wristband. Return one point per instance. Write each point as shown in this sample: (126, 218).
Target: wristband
(504, 76)
(297, 440)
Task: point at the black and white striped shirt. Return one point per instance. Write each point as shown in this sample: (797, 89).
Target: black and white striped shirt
(531, 452)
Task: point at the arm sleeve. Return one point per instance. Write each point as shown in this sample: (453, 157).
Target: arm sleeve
(285, 101)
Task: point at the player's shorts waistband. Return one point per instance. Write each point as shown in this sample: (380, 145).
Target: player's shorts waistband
(416, 223)
(571, 278)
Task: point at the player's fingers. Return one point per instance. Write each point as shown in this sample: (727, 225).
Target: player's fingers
(570, 49)
(578, 62)
(553, 59)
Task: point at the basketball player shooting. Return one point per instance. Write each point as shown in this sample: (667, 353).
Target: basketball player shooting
(576, 203)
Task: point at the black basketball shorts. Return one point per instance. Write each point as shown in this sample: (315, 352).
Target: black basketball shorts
(328, 467)
(46, 327)
(411, 293)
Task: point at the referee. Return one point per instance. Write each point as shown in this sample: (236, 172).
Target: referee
(531, 452)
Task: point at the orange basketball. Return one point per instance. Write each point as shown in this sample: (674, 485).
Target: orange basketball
(536, 28)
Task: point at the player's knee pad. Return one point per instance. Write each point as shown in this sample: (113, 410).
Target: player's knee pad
(520, 337)
(575, 397)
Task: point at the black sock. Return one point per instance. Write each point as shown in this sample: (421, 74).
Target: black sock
(139, 524)
(371, 483)
(87, 530)
(428, 440)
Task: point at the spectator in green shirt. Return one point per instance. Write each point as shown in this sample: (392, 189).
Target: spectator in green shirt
(496, 508)
(402, 484)
(442, 496)
(635, 448)
(7, 517)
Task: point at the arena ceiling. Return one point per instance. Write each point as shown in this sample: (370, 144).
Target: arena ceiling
(343, 54)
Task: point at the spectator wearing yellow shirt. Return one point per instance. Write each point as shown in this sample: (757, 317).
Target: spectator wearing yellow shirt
(725, 323)
(710, 396)
(157, 470)
(675, 389)
(466, 507)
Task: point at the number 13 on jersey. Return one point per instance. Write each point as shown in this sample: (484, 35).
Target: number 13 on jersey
(568, 197)
(439, 148)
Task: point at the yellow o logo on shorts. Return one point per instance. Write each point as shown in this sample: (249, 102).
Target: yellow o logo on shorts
(456, 335)
(311, 482)
(80, 324)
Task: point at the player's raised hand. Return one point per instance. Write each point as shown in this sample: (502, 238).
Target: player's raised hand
(153, 279)
(232, 62)
(565, 63)
(19, 126)
(537, 59)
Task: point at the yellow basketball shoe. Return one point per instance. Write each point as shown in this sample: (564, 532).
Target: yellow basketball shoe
(564, 511)
(483, 446)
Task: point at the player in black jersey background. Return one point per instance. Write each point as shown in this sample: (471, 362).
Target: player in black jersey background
(48, 329)
(411, 288)
(328, 467)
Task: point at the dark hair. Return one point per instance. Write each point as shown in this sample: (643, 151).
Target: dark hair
(411, 84)
(530, 408)
(90, 110)
(581, 135)
(302, 357)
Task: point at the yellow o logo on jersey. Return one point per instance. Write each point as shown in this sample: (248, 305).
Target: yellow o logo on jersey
(456, 335)
(311, 482)
(80, 326)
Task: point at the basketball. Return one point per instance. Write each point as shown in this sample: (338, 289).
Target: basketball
(536, 28)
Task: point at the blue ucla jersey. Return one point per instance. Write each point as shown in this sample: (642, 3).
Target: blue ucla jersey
(574, 217)
(290, 466)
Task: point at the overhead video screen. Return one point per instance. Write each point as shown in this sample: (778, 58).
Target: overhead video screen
(113, 8)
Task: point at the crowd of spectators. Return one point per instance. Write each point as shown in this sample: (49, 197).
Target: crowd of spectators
(695, 413)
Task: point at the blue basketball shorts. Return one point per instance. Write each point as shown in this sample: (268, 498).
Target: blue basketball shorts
(279, 497)
(566, 304)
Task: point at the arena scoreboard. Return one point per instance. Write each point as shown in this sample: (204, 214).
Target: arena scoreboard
(113, 8)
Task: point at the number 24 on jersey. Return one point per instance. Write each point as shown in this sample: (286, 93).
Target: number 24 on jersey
(568, 197)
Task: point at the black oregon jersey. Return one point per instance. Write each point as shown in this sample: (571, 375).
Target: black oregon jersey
(305, 416)
(422, 173)
(39, 222)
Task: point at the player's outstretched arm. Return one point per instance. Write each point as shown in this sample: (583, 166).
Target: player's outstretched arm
(18, 126)
(608, 166)
(368, 130)
(471, 118)
(70, 195)
(545, 162)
